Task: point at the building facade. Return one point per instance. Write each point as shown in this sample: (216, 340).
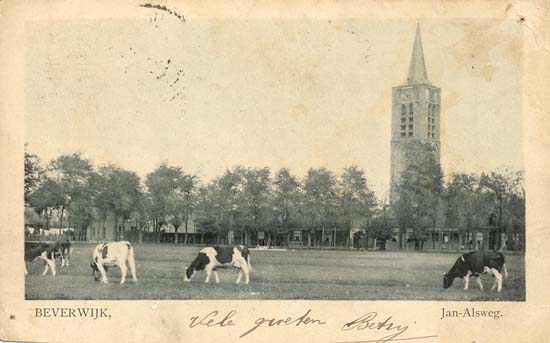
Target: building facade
(416, 113)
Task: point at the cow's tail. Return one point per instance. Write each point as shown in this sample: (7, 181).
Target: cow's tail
(132, 261)
(131, 257)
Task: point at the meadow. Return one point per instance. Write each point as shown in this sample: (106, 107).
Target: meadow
(276, 275)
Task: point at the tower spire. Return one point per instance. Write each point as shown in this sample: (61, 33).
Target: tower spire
(417, 67)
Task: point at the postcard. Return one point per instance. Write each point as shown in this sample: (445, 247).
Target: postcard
(337, 172)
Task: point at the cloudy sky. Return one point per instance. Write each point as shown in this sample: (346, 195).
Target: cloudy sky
(211, 94)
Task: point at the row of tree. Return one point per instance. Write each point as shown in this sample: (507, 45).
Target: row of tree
(243, 199)
(249, 200)
(492, 201)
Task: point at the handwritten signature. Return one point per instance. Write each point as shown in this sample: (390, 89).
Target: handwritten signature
(368, 322)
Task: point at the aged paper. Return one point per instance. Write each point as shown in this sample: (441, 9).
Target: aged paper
(247, 88)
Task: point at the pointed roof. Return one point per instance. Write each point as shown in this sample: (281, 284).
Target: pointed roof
(417, 67)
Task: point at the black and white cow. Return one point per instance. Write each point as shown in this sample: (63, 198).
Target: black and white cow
(211, 258)
(474, 264)
(41, 251)
(113, 254)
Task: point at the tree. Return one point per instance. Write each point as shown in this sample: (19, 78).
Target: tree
(255, 199)
(34, 175)
(185, 199)
(286, 192)
(207, 211)
(230, 201)
(46, 198)
(418, 192)
(465, 208)
(285, 201)
(72, 173)
(118, 192)
(171, 192)
(381, 225)
(320, 198)
(356, 200)
(504, 187)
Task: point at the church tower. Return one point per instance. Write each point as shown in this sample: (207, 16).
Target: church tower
(415, 114)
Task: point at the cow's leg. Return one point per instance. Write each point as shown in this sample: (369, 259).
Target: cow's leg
(45, 269)
(132, 264)
(240, 276)
(498, 279)
(208, 270)
(466, 281)
(62, 261)
(123, 271)
(478, 279)
(495, 281)
(216, 276)
(52, 266)
(246, 271)
(191, 277)
(99, 265)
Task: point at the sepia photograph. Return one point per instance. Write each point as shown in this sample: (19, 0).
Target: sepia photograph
(337, 159)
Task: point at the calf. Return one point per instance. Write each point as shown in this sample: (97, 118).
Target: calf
(41, 251)
(112, 255)
(214, 257)
(475, 263)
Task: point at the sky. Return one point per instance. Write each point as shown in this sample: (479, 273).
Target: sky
(211, 94)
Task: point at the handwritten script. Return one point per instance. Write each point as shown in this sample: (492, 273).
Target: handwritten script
(371, 321)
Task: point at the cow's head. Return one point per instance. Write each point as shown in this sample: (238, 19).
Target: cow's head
(198, 264)
(458, 270)
(95, 271)
(189, 272)
(447, 280)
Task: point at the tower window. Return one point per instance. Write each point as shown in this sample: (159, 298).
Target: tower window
(403, 110)
(410, 133)
(411, 109)
(410, 127)
(403, 134)
(403, 120)
(403, 127)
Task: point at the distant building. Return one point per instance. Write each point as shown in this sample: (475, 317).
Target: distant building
(416, 110)
(105, 230)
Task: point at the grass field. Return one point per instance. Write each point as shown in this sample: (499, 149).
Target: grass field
(276, 275)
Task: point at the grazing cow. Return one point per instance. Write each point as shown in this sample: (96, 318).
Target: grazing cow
(41, 251)
(211, 258)
(475, 263)
(63, 251)
(112, 255)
